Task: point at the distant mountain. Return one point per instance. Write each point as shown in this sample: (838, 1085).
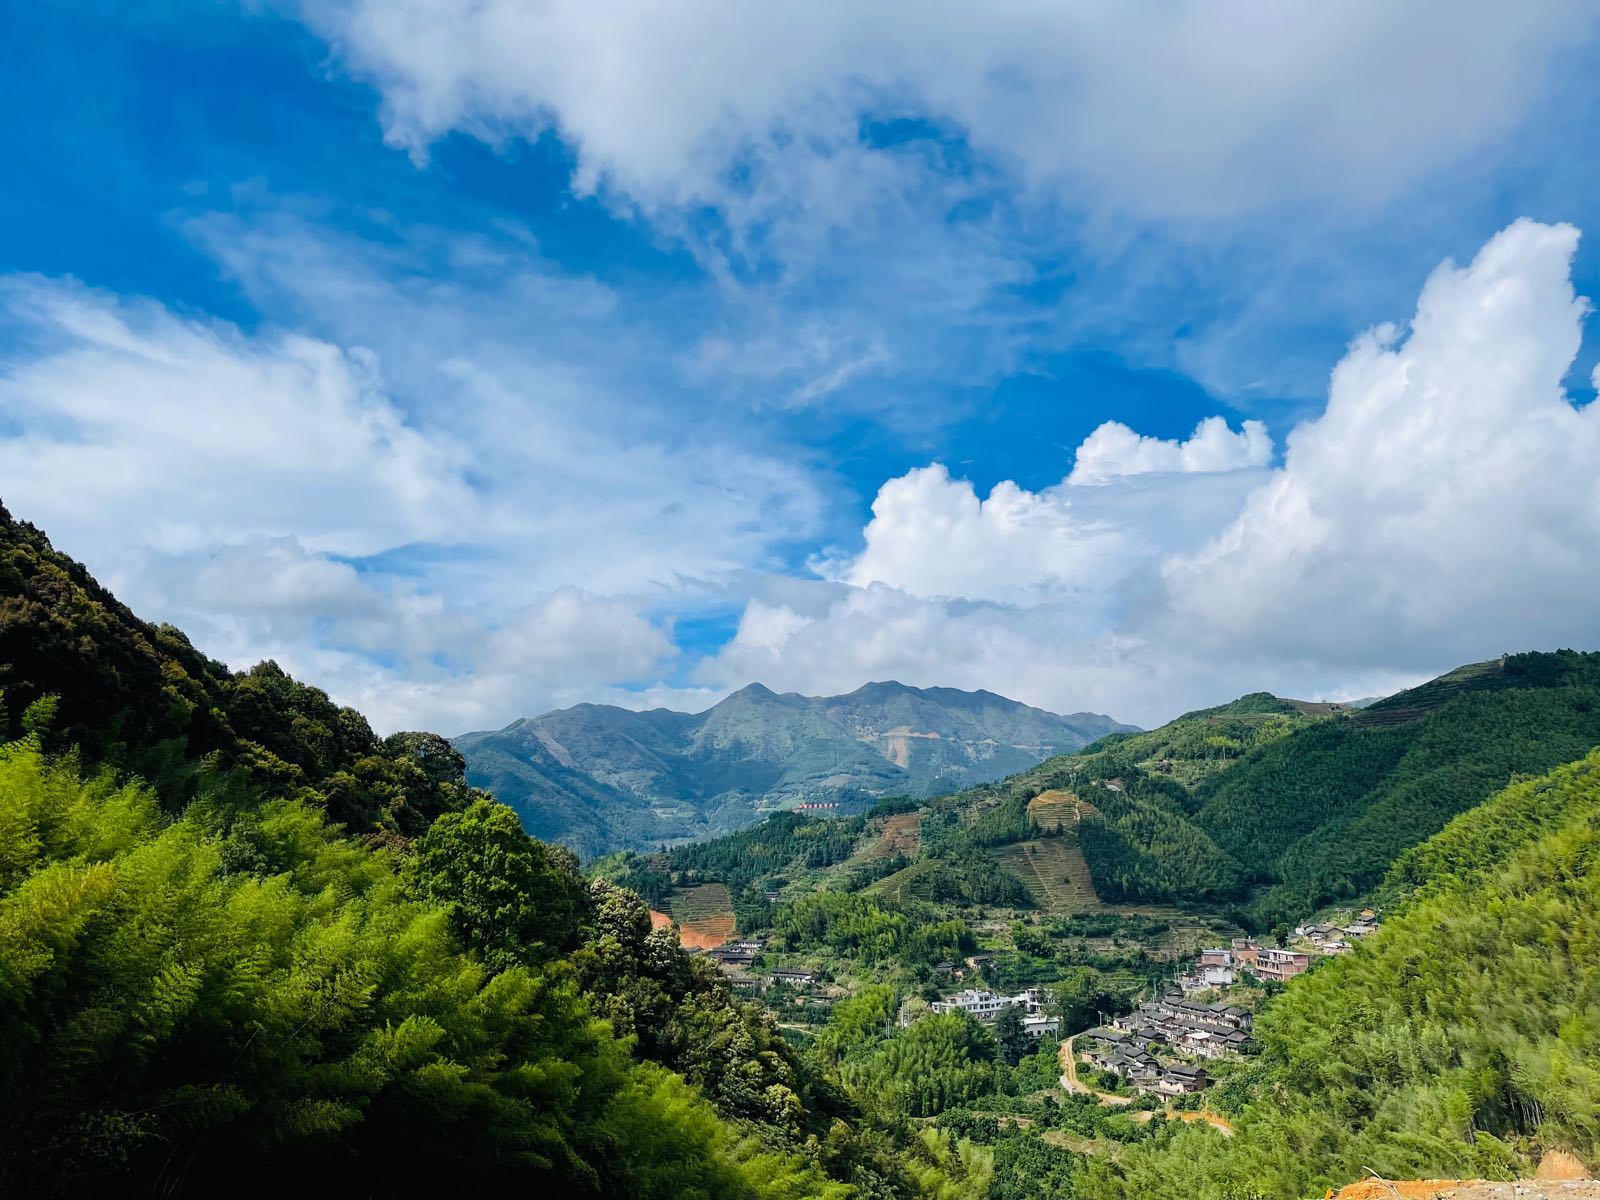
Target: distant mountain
(600, 778)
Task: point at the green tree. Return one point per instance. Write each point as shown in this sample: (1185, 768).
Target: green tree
(1080, 997)
(1011, 1039)
(513, 899)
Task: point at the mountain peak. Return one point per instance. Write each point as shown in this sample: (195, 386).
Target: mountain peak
(755, 693)
(664, 776)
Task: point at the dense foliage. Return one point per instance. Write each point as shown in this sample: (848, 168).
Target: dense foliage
(241, 992)
(1281, 806)
(1322, 814)
(938, 1062)
(1462, 1042)
(869, 931)
(139, 696)
(1140, 845)
(306, 957)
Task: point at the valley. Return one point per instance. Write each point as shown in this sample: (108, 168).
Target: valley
(1266, 950)
(1147, 869)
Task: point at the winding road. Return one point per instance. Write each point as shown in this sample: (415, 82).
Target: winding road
(1070, 1082)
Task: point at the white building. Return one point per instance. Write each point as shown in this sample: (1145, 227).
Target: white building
(1203, 978)
(1039, 1025)
(985, 1006)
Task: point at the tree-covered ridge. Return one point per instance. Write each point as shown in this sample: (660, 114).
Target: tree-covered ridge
(139, 696)
(1461, 1042)
(242, 992)
(1322, 814)
(309, 958)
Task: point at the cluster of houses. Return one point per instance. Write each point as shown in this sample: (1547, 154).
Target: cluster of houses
(986, 1006)
(737, 958)
(1339, 939)
(1171, 1025)
(1219, 968)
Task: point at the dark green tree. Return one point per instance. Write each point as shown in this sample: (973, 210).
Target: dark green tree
(1011, 1039)
(513, 899)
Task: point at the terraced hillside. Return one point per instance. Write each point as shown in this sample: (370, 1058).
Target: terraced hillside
(1055, 809)
(704, 915)
(902, 834)
(1054, 872)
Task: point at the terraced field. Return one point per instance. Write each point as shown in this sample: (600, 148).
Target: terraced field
(1053, 871)
(902, 834)
(913, 883)
(1054, 809)
(704, 915)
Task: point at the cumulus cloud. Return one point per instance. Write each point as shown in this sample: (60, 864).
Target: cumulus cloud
(1446, 503)
(1113, 451)
(1445, 507)
(931, 535)
(1192, 109)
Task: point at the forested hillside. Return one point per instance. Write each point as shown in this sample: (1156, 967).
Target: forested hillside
(1462, 1042)
(1262, 808)
(1279, 807)
(304, 958)
(138, 696)
(1322, 815)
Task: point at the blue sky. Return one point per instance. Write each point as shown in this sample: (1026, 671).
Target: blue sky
(472, 359)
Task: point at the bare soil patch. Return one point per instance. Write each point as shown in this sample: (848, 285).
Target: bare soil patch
(704, 915)
(1468, 1189)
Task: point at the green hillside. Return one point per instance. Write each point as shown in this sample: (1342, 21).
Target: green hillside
(246, 945)
(1263, 807)
(1461, 1042)
(1278, 806)
(1321, 815)
(134, 695)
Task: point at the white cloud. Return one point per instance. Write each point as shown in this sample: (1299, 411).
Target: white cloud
(930, 535)
(522, 545)
(191, 433)
(1444, 508)
(1446, 503)
(598, 469)
(1113, 451)
(1183, 110)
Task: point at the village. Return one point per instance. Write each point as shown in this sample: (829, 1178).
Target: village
(1148, 1047)
(1162, 1046)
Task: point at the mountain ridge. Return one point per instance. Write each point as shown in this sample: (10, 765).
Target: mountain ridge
(600, 777)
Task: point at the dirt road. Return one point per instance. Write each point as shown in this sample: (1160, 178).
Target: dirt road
(1468, 1189)
(1071, 1082)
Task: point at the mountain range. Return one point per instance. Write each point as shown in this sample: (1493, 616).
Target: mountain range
(600, 778)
